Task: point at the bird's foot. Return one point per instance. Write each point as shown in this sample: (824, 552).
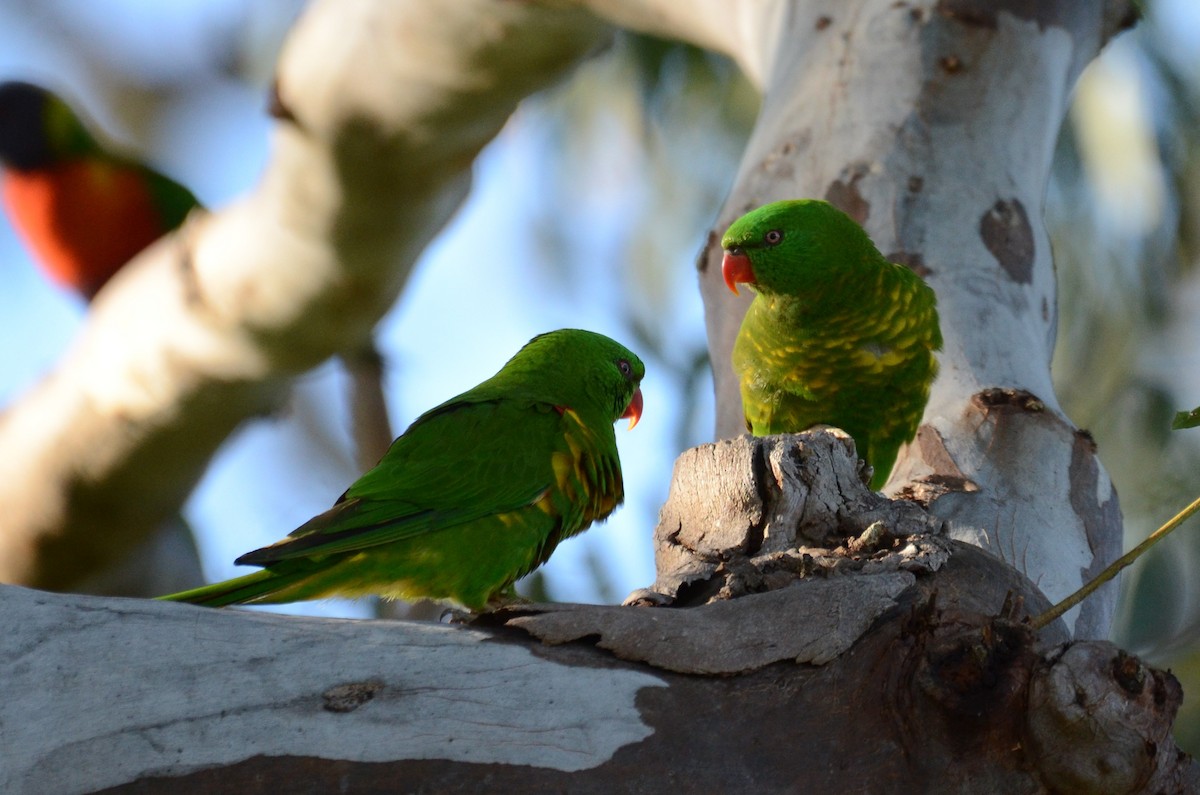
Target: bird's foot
(648, 597)
(505, 599)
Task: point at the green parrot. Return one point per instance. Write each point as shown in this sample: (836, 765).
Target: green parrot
(836, 334)
(474, 495)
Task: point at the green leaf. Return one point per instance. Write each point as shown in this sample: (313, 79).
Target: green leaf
(1186, 419)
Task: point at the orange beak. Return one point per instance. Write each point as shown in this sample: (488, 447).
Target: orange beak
(633, 412)
(736, 267)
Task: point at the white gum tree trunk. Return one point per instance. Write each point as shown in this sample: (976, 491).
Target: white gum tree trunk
(933, 124)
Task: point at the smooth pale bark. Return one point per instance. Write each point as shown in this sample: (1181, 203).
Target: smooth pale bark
(933, 124)
(747, 31)
(382, 107)
(901, 654)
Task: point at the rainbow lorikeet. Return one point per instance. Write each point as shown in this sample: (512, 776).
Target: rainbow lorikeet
(82, 211)
(475, 494)
(836, 334)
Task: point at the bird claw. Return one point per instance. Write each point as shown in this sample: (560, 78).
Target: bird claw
(454, 615)
(506, 598)
(647, 597)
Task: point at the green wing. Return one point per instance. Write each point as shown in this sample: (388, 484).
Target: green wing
(457, 463)
(172, 200)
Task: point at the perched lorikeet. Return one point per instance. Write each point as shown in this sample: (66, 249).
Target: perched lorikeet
(82, 211)
(836, 334)
(475, 494)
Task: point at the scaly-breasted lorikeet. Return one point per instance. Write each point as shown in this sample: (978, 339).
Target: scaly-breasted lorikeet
(836, 334)
(82, 211)
(474, 495)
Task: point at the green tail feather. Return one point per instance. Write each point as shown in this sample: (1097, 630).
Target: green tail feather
(239, 590)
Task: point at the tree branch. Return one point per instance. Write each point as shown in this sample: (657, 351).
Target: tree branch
(746, 31)
(930, 683)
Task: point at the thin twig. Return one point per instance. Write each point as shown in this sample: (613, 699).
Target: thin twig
(1114, 567)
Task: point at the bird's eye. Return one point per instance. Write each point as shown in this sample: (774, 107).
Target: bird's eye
(624, 367)
(773, 237)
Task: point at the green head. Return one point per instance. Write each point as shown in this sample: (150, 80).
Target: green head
(788, 247)
(37, 129)
(581, 370)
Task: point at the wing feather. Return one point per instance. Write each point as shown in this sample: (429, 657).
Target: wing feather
(455, 464)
